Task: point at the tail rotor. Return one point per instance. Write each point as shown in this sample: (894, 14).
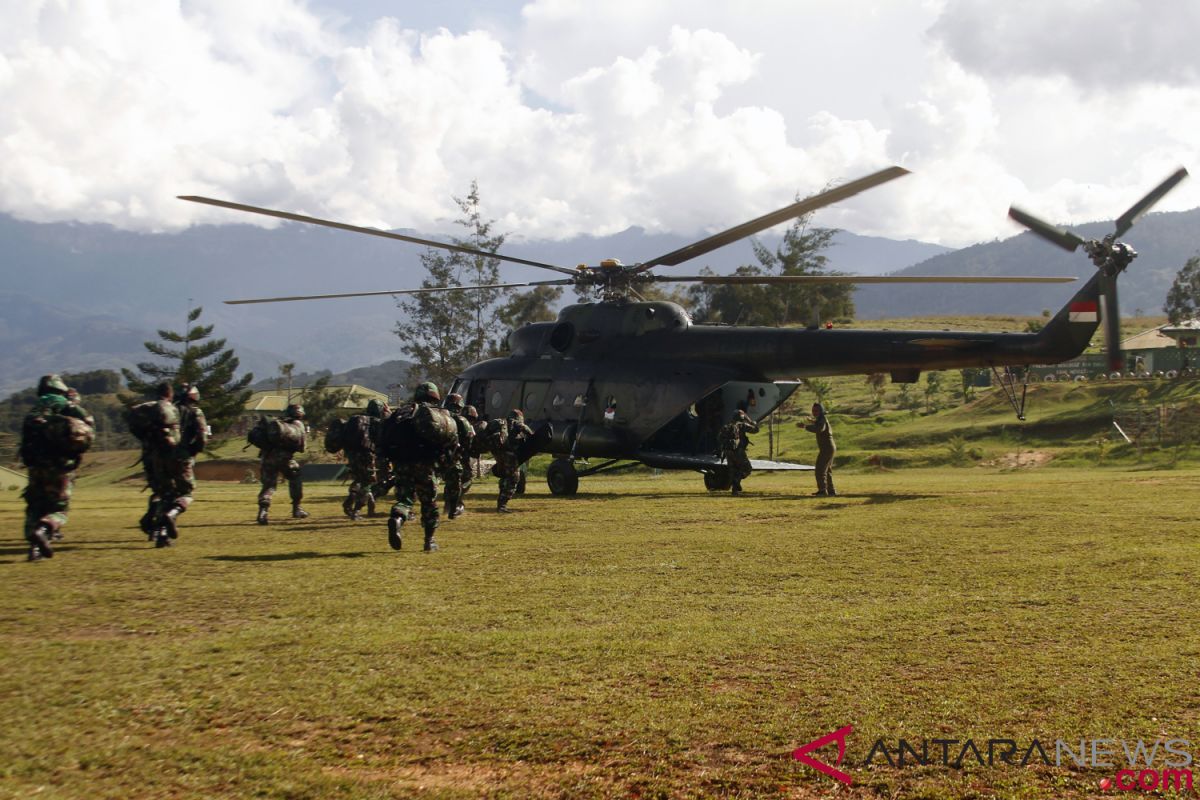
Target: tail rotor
(1110, 257)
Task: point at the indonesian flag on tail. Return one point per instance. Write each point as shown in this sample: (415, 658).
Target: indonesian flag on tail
(1083, 311)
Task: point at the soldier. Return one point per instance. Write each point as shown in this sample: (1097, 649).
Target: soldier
(733, 441)
(180, 480)
(825, 451)
(508, 459)
(416, 480)
(279, 458)
(362, 460)
(456, 470)
(51, 464)
(383, 470)
(160, 449)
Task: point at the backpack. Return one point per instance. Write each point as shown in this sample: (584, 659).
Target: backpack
(47, 437)
(144, 420)
(257, 435)
(416, 433)
(193, 435)
(494, 435)
(285, 434)
(356, 434)
(333, 436)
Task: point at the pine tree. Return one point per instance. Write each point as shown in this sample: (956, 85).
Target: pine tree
(447, 331)
(198, 360)
(1183, 299)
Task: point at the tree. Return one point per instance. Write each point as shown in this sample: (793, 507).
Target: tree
(322, 403)
(801, 252)
(821, 389)
(200, 361)
(1183, 299)
(933, 390)
(877, 384)
(536, 305)
(970, 377)
(447, 331)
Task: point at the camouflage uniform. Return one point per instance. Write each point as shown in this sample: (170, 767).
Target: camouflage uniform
(51, 477)
(734, 441)
(508, 460)
(180, 479)
(159, 453)
(825, 451)
(362, 465)
(416, 481)
(276, 461)
(456, 467)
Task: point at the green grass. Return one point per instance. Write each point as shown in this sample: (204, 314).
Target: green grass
(644, 639)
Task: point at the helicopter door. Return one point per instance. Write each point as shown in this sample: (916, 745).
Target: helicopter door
(476, 395)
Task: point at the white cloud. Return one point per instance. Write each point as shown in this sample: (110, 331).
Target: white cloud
(590, 117)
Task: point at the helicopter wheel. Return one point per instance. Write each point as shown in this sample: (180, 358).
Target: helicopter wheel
(562, 478)
(718, 480)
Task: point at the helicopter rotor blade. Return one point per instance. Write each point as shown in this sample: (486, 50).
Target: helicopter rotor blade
(1110, 317)
(853, 279)
(1135, 212)
(268, 212)
(752, 227)
(1064, 239)
(426, 290)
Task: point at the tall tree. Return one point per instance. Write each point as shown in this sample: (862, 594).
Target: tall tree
(321, 403)
(535, 305)
(1183, 298)
(195, 358)
(801, 252)
(447, 331)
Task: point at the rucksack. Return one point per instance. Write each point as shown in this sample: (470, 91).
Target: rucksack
(257, 435)
(495, 435)
(356, 434)
(193, 435)
(144, 420)
(333, 436)
(47, 437)
(420, 432)
(284, 434)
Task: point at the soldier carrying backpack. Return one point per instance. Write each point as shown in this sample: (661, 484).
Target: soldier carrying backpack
(155, 423)
(54, 436)
(179, 481)
(280, 440)
(456, 467)
(357, 436)
(508, 460)
(416, 439)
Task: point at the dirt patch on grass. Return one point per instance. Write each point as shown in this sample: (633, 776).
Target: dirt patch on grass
(223, 470)
(1022, 459)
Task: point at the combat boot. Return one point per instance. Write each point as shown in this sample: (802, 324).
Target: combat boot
(430, 544)
(350, 508)
(395, 523)
(162, 538)
(370, 504)
(169, 522)
(457, 512)
(34, 553)
(262, 514)
(298, 512)
(39, 540)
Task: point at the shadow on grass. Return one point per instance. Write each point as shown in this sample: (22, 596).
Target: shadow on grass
(303, 554)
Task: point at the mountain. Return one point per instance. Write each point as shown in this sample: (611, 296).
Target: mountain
(1164, 242)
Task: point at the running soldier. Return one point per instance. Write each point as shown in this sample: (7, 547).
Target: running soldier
(456, 470)
(734, 441)
(416, 473)
(283, 439)
(825, 451)
(180, 465)
(508, 459)
(156, 425)
(360, 434)
(54, 436)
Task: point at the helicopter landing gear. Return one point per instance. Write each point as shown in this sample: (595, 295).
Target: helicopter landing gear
(562, 478)
(718, 480)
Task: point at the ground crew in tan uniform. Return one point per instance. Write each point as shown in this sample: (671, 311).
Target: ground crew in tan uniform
(825, 451)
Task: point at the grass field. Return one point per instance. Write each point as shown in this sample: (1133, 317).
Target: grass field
(643, 639)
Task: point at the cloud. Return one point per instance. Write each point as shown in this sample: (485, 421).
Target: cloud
(1097, 44)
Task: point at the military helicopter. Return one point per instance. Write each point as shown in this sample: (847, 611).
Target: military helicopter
(628, 381)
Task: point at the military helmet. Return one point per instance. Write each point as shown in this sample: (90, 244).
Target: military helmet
(516, 413)
(454, 402)
(374, 409)
(427, 391)
(470, 412)
(73, 394)
(191, 392)
(294, 411)
(52, 384)
(740, 414)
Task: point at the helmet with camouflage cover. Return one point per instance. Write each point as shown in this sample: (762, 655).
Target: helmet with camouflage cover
(426, 392)
(517, 413)
(454, 402)
(73, 395)
(294, 411)
(191, 393)
(374, 409)
(52, 384)
(470, 412)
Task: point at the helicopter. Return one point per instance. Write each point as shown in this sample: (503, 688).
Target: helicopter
(627, 381)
